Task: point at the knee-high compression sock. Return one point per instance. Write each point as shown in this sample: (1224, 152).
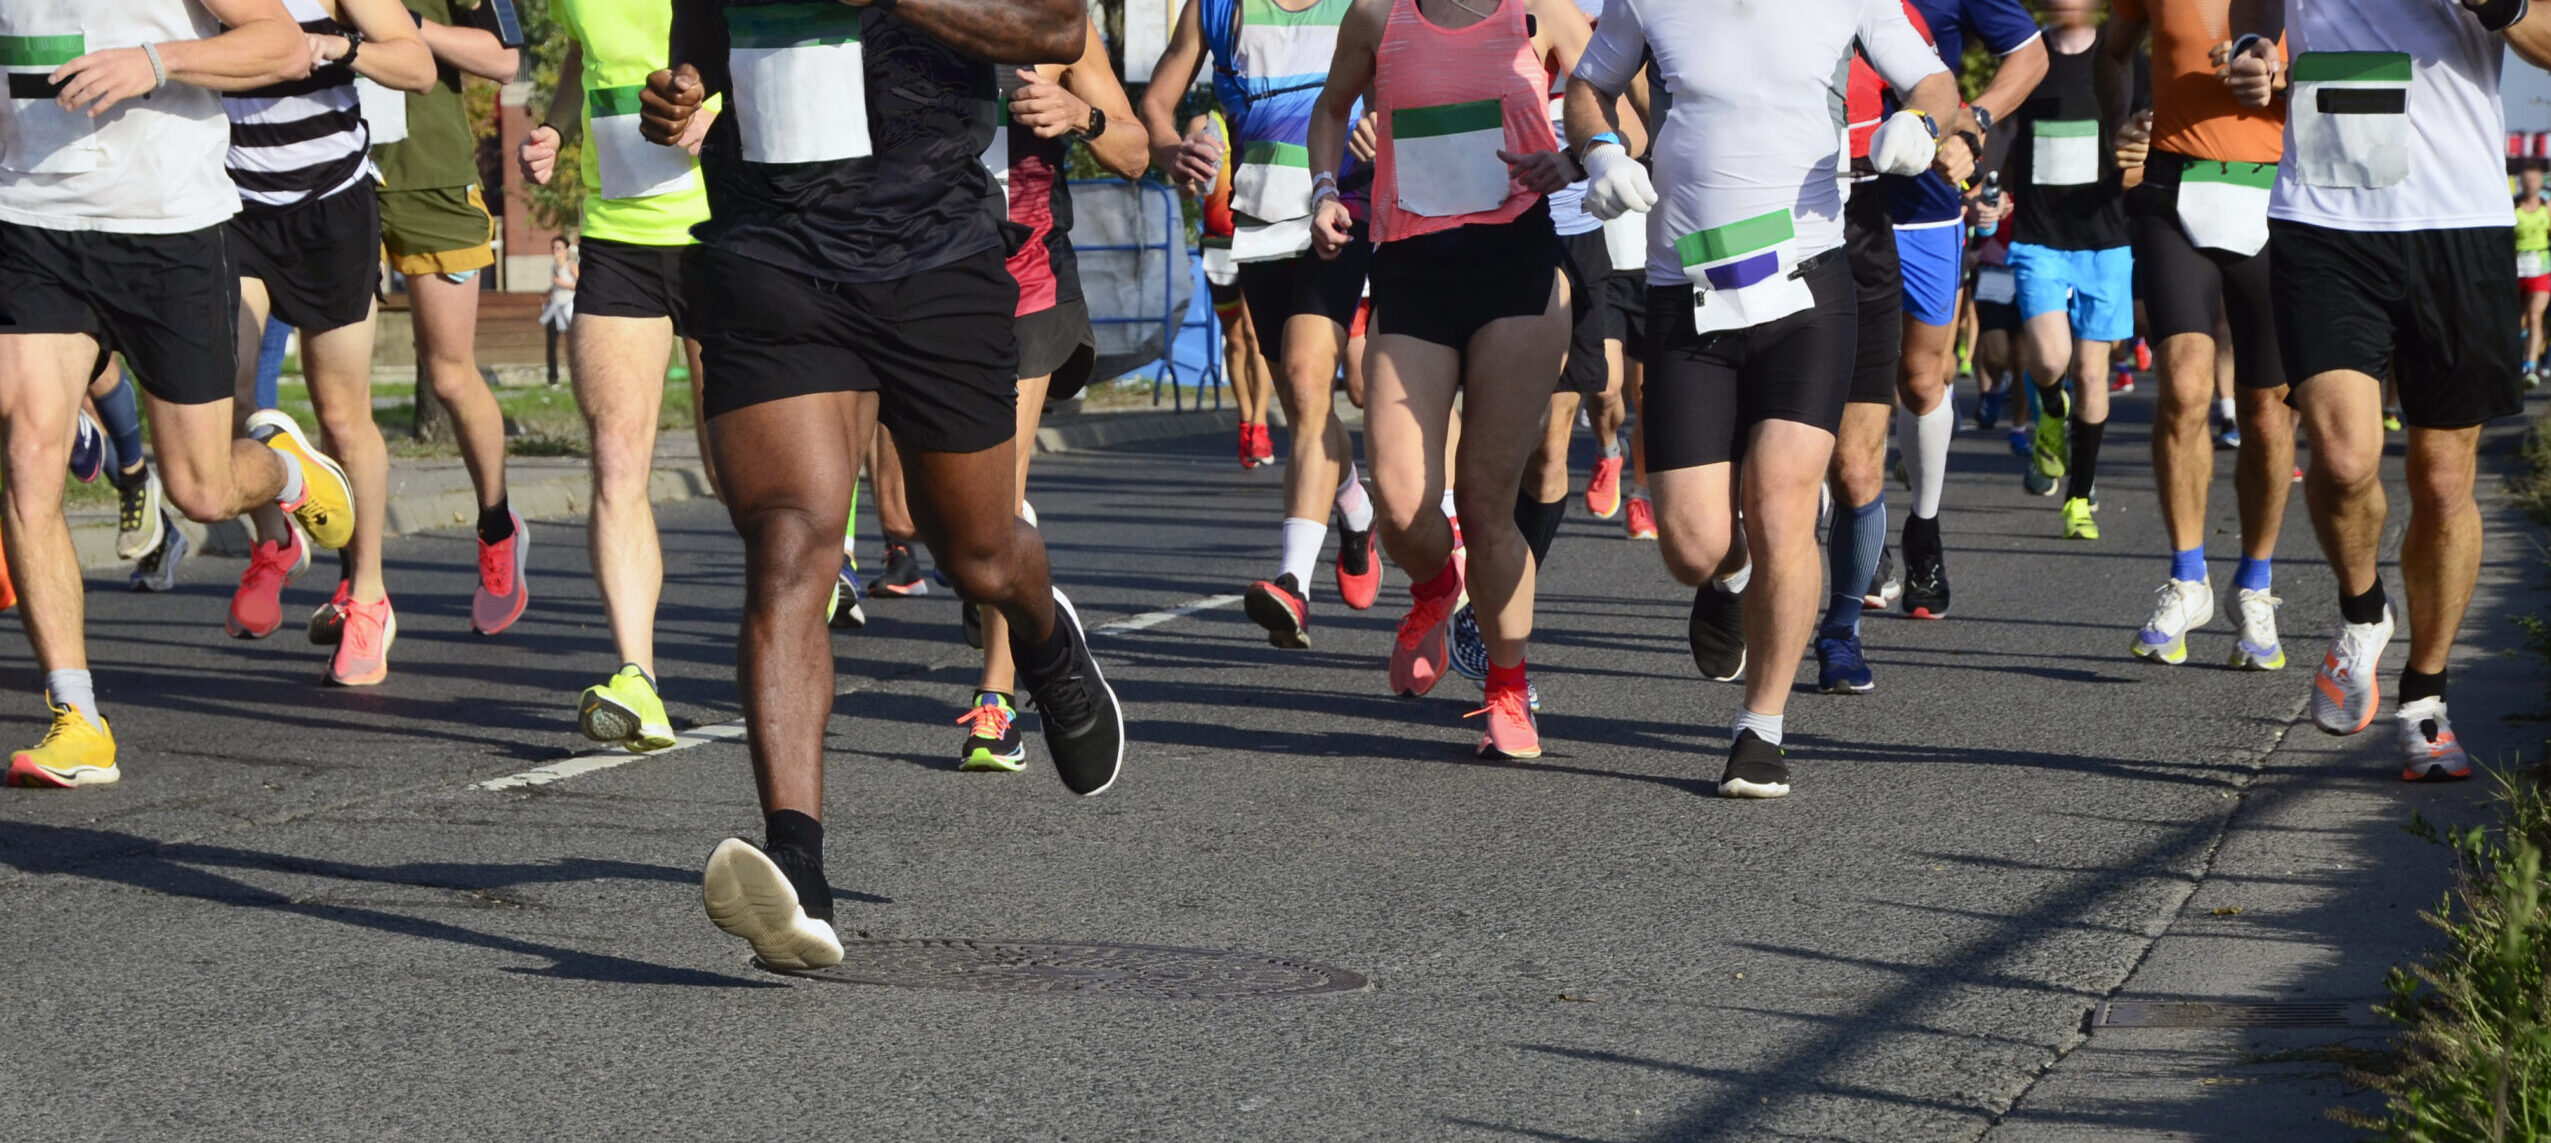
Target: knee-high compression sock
(1924, 440)
(1539, 523)
(122, 420)
(2085, 461)
(1851, 558)
(1302, 539)
(1355, 507)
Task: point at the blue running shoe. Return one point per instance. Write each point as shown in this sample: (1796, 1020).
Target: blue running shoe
(1470, 648)
(1840, 670)
(1988, 410)
(88, 450)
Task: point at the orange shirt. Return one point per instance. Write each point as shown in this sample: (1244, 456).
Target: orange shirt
(2193, 114)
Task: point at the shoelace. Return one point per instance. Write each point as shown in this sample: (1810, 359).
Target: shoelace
(271, 561)
(496, 566)
(2180, 597)
(1066, 701)
(1422, 618)
(1515, 705)
(363, 627)
(989, 720)
(63, 717)
(1845, 654)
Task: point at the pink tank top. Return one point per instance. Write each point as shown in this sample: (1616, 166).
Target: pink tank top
(1449, 99)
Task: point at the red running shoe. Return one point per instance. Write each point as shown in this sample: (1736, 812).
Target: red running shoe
(1248, 449)
(501, 590)
(256, 609)
(1511, 732)
(1641, 523)
(1419, 654)
(1603, 489)
(1359, 576)
(2143, 356)
(1265, 454)
(1278, 606)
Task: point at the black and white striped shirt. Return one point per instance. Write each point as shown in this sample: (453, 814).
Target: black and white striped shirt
(299, 140)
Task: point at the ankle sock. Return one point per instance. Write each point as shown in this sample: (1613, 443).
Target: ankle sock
(293, 485)
(1612, 450)
(2223, 409)
(1355, 507)
(496, 523)
(1851, 559)
(74, 689)
(2189, 565)
(1539, 523)
(1445, 582)
(1041, 660)
(2254, 574)
(2416, 684)
(1506, 678)
(1302, 539)
(1764, 726)
(2366, 608)
(1450, 512)
(2085, 462)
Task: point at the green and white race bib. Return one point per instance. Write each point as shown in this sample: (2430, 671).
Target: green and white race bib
(2224, 206)
(2350, 116)
(1270, 241)
(1742, 273)
(629, 166)
(1444, 159)
(800, 89)
(2533, 263)
(44, 139)
(1272, 182)
(2067, 152)
(384, 110)
(1625, 239)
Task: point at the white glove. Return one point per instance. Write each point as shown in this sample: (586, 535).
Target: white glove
(1903, 145)
(1616, 184)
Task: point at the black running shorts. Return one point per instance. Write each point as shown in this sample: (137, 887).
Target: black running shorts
(1057, 343)
(936, 347)
(626, 280)
(1444, 287)
(1304, 284)
(1705, 393)
(168, 302)
(2432, 306)
(1877, 279)
(1598, 293)
(2186, 289)
(1996, 316)
(320, 260)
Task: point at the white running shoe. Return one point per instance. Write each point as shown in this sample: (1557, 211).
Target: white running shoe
(2428, 749)
(748, 895)
(2345, 693)
(2181, 606)
(2258, 649)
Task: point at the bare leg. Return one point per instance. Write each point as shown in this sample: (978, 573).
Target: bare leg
(338, 363)
(1000, 673)
(1783, 464)
(2440, 551)
(446, 316)
(2342, 410)
(2182, 457)
(618, 368)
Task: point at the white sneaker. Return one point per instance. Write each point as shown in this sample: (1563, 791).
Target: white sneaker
(2258, 649)
(748, 895)
(2345, 693)
(138, 525)
(2181, 606)
(2428, 749)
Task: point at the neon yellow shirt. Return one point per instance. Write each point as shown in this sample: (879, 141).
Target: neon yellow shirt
(624, 41)
(2533, 226)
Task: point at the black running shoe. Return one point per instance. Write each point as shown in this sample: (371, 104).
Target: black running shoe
(1754, 770)
(902, 575)
(1084, 726)
(1885, 587)
(1926, 574)
(1718, 633)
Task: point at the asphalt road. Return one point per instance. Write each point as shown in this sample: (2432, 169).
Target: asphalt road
(301, 915)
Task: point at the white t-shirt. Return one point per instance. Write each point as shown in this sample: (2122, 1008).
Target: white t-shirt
(1757, 92)
(149, 166)
(2455, 125)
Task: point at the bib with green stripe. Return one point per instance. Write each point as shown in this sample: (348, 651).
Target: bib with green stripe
(2349, 113)
(635, 191)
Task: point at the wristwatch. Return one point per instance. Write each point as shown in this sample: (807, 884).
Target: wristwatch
(1096, 126)
(353, 44)
(1983, 118)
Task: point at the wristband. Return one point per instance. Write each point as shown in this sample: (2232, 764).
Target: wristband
(159, 71)
(2498, 15)
(1324, 181)
(1612, 137)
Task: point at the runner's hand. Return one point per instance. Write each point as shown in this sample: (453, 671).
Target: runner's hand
(325, 50)
(1903, 146)
(697, 133)
(1331, 226)
(100, 80)
(1045, 108)
(1616, 184)
(2134, 141)
(1986, 216)
(1540, 172)
(2252, 74)
(1954, 158)
(539, 154)
(1194, 163)
(1367, 139)
(668, 103)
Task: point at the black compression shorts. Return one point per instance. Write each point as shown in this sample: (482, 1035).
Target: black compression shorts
(1705, 393)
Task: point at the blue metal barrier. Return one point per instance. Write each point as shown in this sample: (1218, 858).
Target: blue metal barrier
(1170, 321)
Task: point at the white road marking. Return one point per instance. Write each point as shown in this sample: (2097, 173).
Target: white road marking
(1151, 619)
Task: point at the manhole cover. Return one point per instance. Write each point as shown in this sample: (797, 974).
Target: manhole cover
(2232, 1014)
(1140, 972)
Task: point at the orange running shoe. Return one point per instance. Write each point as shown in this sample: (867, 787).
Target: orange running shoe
(1641, 523)
(1419, 654)
(256, 609)
(1511, 731)
(1603, 489)
(363, 650)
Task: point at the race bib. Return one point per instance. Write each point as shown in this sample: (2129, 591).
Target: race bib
(801, 94)
(2533, 263)
(1444, 159)
(1273, 182)
(1219, 267)
(1741, 273)
(1626, 240)
(2350, 117)
(44, 139)
(1996, 286)
(1273, 241)
(2067, 152)
(629, 166)
(2224, 206)
(384, 111)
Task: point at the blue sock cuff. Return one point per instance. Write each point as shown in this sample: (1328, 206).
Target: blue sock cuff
(2188, 565)
(2255, 575)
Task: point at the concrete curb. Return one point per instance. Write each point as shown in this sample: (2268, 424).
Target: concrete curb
(566, 495)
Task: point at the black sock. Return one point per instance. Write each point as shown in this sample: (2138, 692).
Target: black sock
(1540, 524)
(345, 566)
(1921, 534)
(127, 481)
(1039, 661)
(496, 524)
(795, 832)
(2366, 608)
(2416, 684)
(2085, 462)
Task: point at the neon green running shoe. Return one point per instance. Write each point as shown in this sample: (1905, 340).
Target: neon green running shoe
(992, 739)
(2050, 449)
(624, 711)
(2079, 524)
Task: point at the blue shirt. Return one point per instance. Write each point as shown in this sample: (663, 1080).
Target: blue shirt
(2003, 27)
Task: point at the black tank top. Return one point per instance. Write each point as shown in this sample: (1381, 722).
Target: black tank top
(2086, 216)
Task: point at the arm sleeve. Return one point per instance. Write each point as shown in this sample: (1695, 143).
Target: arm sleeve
(1618, 48)
(1898, 53)
(2003, 25)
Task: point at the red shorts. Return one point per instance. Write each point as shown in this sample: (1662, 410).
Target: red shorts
(2537, 285)
(1364, 313)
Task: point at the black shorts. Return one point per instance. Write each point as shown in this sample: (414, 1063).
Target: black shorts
(937, 347)
(1304, 284)
(1877, 278)
(1591, 283)
(168, 302)
(320, 260)
(626, 280)
(2186, 289)
(1446, 286)
(1058, 344)
(2435, 307)
(1705, 394)
(1625, 296)
(1996, 317)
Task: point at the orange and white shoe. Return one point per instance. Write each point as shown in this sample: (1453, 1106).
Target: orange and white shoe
(366, 631)
(1640, 522)
(502, 593)
(1603, 489)
(256, 609)
(73, 753)
(2428, 750)
(2345, 692)
(1511, 731)
(1419, 654)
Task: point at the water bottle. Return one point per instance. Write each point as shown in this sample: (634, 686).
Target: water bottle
(1991, 198)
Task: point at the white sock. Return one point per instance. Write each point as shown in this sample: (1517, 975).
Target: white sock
(1027, 512)
(1925, 443)
(1764, 726)
(74, 689)
(1450, 513)
(2223, 409)
(1734, 584)
(292, 483)
(1302, 540)
(1354, 506)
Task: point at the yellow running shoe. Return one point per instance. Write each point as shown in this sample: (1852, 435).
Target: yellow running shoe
(625, 711)
(73, 753)
(2078, 522)
(326, 508)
